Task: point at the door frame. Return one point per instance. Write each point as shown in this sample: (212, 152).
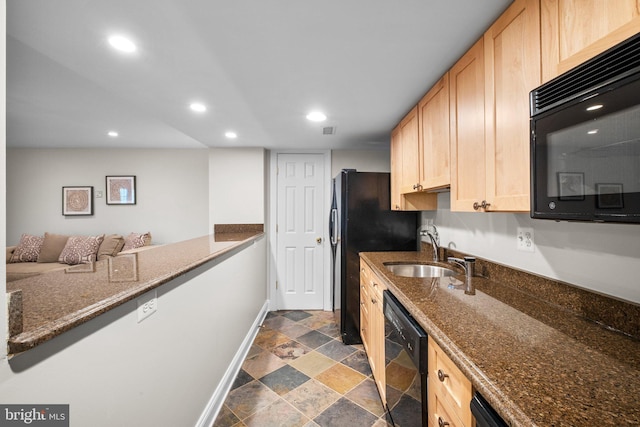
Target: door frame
(272, 265)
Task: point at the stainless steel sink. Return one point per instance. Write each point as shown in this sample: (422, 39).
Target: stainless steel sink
(419, 270)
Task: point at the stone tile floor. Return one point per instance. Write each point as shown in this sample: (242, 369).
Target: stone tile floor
(299, 373)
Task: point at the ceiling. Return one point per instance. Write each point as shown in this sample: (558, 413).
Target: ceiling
(259, 67)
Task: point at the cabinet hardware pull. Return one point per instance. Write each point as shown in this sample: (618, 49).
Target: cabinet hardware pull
(442, 423)
(483, 205)
(442, 375)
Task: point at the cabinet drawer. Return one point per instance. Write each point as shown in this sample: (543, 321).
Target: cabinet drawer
(449, 384)
(443, 411)
(365, 300)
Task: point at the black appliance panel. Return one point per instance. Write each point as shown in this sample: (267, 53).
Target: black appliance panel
(362, 221)
(404, 339)
(484, 414)
(585, 141)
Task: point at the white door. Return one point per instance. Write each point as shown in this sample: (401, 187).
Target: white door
(300, 232)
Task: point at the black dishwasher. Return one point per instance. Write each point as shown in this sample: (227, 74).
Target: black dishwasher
(405, 365)
(484, 414)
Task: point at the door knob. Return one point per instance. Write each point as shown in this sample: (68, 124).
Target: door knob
(318, 240)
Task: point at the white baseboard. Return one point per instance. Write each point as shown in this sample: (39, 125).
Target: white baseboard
(220, 394)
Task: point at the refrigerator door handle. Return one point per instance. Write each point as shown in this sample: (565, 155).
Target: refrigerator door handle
(334, 229)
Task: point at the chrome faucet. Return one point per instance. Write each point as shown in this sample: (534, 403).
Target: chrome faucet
(469, 266)
(432, 232)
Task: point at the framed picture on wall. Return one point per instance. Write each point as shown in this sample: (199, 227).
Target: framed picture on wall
(571, 185)
(121, 190)
(609, 196)
(77, 201)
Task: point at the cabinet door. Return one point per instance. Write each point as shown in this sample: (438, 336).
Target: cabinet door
(512, 70)
(409, 143)
(377, 339)
(466, 88)
(576, 30)
(433, 136)
(396, 169)
(404, 168)
(365, 306)
(449, 393)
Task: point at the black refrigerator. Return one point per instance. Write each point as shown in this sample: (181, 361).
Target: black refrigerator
(361, 220)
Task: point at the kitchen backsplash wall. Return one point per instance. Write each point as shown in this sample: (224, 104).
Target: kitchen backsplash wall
(603, 258)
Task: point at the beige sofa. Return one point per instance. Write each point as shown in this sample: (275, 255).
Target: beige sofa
(41, 254)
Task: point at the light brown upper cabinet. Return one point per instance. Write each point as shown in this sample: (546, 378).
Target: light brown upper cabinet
(489, 91)
(466, 99)
(405, 184)
(433, 137)
(512, 70)
(574, 31)
(409, 152)
(396, 169)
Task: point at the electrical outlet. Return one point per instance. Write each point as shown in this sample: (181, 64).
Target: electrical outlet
(147, 305)
(525, 239)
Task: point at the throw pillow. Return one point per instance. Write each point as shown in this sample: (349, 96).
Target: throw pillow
(28, 249)
(52, 247)
(80, 249)
(136, 240)
(111, 245)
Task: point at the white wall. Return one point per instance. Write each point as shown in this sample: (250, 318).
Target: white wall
(363, 161)
(114, 371)
(171, 187)
(601, 257)
(237, 186)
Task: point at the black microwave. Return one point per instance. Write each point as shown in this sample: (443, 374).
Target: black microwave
(585, 140)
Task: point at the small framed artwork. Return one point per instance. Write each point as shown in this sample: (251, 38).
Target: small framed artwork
(121, 190)
(77, 201)
(609, 196)
(571, 185)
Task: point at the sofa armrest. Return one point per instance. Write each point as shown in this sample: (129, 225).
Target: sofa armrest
(10, 250)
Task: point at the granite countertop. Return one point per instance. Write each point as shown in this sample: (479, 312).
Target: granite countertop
(537, 363)
(55, 302)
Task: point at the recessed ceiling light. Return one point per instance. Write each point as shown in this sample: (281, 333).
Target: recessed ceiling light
(593, 132)
(198, 107)
(122, 44)
(594, 107)
(231, 135)
(112, 133)
(316, 116)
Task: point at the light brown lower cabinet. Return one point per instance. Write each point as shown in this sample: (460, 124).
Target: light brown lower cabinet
(449, 391)
(372, 324)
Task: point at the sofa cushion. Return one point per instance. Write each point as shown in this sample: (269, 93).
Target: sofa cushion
(52, 247)
(30, 269)
(28, 249)
(136, 240)
(110, 246)
(80, 249)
